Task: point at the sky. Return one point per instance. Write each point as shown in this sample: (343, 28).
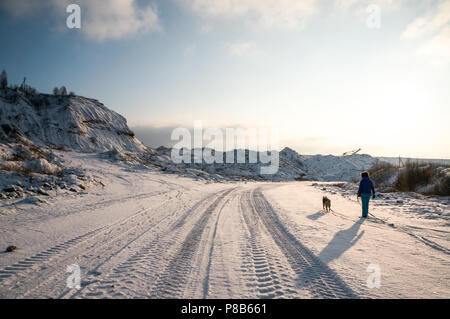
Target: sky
(331, 75)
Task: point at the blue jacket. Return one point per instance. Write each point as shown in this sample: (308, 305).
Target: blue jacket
(366, 186)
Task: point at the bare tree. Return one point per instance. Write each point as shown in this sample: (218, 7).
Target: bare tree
(55, 91)
(63, 90)
(23, 86)
(3, 80)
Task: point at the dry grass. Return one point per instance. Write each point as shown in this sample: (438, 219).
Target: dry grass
(413, 176)
(381, 172)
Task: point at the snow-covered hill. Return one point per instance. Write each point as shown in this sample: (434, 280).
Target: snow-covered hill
(292, 166)
(33, 127)
(71, 122)
(338, 168)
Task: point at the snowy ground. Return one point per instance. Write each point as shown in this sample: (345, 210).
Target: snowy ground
(152, 235)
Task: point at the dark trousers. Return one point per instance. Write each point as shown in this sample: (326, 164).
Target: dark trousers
(365, 204)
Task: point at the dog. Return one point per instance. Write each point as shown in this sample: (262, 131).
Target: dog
(326, 203)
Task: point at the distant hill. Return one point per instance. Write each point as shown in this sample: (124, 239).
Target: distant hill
(292, 166)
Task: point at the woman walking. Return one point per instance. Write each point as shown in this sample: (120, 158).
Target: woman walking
(365, 191)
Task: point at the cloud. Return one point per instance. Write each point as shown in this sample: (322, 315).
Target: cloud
(384, 4)
(345, 4)
(100, 20)
(153, 136)
(118, 18)
(438, 47)
(22, 8)
(415, 29)
(359, 7)
(432, 31)
(429, 23)
(282, 14)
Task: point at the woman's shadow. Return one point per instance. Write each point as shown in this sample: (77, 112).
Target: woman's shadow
(341, 242)
(319, 274)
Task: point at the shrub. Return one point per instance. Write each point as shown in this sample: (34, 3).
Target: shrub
(37, 101)
(29, 91)
(3, 80)
(414, 175)
(380, 165)
(443, 188)
(425, 177)
(381, 172)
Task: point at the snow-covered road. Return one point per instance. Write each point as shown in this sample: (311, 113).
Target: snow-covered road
(153, 235)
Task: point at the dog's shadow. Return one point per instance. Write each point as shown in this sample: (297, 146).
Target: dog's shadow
(317, 215)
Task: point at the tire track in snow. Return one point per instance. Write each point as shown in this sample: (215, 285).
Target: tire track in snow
(210, 254)
(19, 279)
(225, 274)
(175, 276)
(90, 207)
(313, 274)
(263, 276)
(428, 242)
(137, 275)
